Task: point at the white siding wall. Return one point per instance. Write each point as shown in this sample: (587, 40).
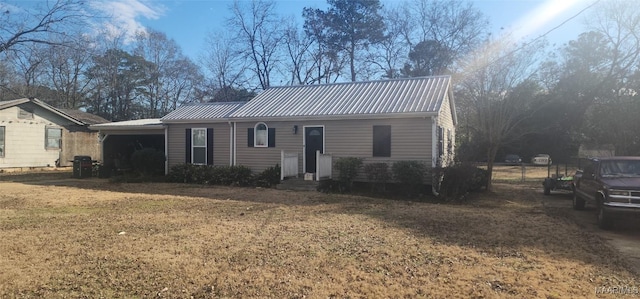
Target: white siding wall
(25, 138)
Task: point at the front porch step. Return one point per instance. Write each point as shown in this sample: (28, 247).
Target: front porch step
(297, 184)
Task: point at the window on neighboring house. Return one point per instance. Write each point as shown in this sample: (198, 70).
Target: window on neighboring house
(53, 138)
(382, 141)
(1, 142)
(199, 146)
(24, 113)
(261, 135)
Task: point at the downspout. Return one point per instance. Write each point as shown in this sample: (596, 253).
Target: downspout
(434, 152)
(231, 145)
(235, 143)
(166, 150)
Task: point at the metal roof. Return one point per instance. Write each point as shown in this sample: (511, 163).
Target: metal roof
(399, 96)
(137, 124)
(203, 112)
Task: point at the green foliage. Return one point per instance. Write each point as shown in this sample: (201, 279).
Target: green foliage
(269, 177)
(212, 175)
(148, 161)
(378, 174)
(347, 171)
(410, 174)
(458, 180)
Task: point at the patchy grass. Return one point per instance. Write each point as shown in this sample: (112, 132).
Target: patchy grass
(87, 238)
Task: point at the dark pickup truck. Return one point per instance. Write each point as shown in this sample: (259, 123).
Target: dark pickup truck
(611, 185)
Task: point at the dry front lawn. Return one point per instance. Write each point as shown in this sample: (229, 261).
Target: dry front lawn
(89, 238)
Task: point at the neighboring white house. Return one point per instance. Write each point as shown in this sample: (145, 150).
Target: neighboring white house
(34, 134)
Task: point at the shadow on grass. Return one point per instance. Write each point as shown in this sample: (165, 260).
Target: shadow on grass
(504, 223)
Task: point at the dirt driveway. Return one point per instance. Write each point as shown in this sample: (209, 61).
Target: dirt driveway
(624, 237)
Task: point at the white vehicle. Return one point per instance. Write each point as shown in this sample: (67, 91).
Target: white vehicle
(541, 159)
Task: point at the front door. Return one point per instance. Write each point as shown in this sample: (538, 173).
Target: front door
(313, 141)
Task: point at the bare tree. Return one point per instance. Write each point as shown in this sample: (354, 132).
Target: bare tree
(497, 86)
(301, 64)
(224, 63)
(20, 26)
(172, 76)
(390, 54)
(258, 33)
(66, 65)
(457, 26)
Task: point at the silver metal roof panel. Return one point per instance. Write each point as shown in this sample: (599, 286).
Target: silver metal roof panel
(203, 111)
(413, 95)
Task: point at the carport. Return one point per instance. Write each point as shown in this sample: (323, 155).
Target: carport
(119, 140)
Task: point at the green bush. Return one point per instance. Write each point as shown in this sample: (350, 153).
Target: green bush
(240, 176)
(213, 175)
(190, 173)
(410, 175)
(347, 171)
(458, 180)
(269, 177)
(148, 162)
(378, 175)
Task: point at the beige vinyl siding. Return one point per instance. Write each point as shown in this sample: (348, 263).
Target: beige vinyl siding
(410, 140)
(445, 120)
(176, 142)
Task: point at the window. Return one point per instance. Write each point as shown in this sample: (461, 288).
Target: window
(199, 146)
(53, 138)
(1, 142)
(382, 141)
(261, 135)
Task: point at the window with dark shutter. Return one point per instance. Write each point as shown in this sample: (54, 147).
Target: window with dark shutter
(267, 137)
(382, 141)
(209, 146)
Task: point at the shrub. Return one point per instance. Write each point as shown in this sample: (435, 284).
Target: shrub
(410, 175)
(189, 173)
(347, 171)
(458, 180)
(239, 176)
(269, 177)
(148, 161)
(378, 175)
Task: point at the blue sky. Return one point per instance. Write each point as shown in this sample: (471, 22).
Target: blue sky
(189, 21)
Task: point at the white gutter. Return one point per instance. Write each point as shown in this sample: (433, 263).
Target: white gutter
(231, 144)
(166, 150)
(235, 140)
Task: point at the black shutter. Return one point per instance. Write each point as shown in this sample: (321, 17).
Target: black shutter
(272, 137)
(250, 137)
(187, 147)
(209, 146)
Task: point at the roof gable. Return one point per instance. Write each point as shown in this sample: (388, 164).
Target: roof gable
(422, 95)
(8, 104)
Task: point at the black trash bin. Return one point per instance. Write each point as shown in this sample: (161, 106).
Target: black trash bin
(82, 166)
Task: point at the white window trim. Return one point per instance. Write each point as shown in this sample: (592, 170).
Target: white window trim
(255, 135)
(46, 138)
(4, 139)
(194, 146)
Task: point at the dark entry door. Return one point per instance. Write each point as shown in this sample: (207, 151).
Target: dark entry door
(313, 141)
